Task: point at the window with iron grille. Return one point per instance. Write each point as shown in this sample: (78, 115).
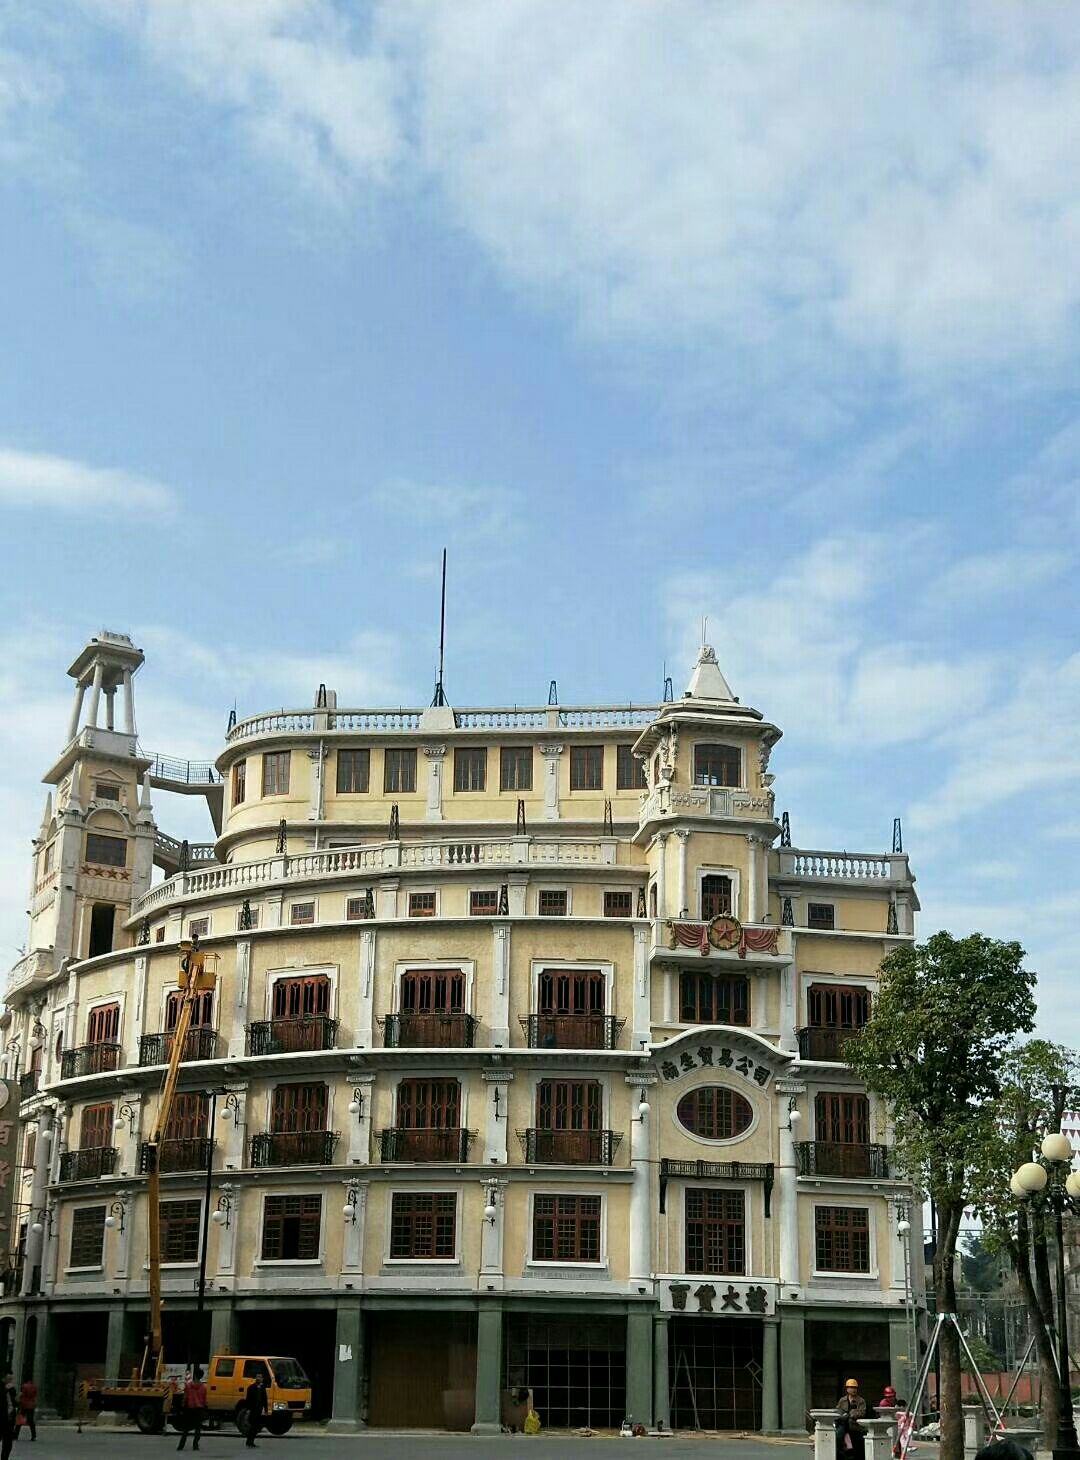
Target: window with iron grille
(709, 998)
(298, 998)
(103, 1024)
(821, 915)
(275, 768)
(87, 1237)
(586, 767)
(399, 770)
(181, 1228)
(715, 1112)
(833, 1006)
(433, 990)
(571, 991)
(103, 791)
(423, 1224)
(429, 1105)
(198, 927)
(715, 896)
(566, 1228)
(106, 851)
(353, 771)
(421, 904)
(515, 768)
(618, 904)
(551, 902)
(470, 768)
(298, 1108)
(239, 782)
(291, 1228)
(301, 913)
(629, 770)
(842, 1239)
(717, 765)
(842, 1119)
(569, 1105)
(715, 1231)
(483, 902)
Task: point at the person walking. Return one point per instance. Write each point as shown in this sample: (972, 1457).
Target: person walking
(27, 1408)
(850, 1435)
(194, 1408)
(256, 1407)
(10, 1409)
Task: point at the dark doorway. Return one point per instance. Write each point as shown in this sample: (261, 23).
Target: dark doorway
(303, 1334)
(576, 1368)
(423, 1370)
(102, 918)
(79, 1343)
(842, 1351)
(715, 1373)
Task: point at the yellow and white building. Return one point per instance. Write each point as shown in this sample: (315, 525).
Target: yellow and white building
(524, 1067)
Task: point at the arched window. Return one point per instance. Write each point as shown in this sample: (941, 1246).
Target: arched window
(717, 765)
(715, 1112)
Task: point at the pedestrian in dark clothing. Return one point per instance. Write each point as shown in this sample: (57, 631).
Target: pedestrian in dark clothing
(194, 1408)
(850, 1435)
(256, 1407)
(10, 1410)
(27, 1408)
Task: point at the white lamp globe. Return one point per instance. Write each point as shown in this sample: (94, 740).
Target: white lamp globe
(348, 1211)
(37, 1228)
(643, 1109)
(1031, 1177)
(1015, 1187)
(354, 1107)
(118, 1123)
(794, 1116)
(46, 1136)
(1057, 1146)
(489, 1213)
(903, 1227)
(110, 1222)
(218, 1218)
(1072, 1184)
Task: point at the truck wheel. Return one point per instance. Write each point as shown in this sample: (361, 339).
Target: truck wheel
(149, 1417)
(279, 1424)
(243, 1418)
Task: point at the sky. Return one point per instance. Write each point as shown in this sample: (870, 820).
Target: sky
(765, 313)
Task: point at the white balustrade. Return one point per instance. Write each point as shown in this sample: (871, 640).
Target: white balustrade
(599, 717)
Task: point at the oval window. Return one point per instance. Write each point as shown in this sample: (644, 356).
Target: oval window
(715, 1112)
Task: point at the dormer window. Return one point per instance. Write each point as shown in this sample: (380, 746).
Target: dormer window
(717, 765)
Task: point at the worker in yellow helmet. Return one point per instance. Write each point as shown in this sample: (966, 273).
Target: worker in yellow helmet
(850, 1435)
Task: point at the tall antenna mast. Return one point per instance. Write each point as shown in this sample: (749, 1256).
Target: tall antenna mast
(439, 697)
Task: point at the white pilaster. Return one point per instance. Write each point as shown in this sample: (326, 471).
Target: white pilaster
(491, 1238)
(242, 984)
(496, 1087)
(751, 910)
(642, 1020)
(387, 898)
(684, 906)
(318, 782)
(110, 695)
(785, 1197)
(232, 1129)
(121, 1245)
(551, 755)
(789, 1040)
(138, 1025)
(517, 885)
(364, 1030)
(499, 1014)
(661, 875)
(126, 1139)
(227, 1234)
(354, 1194)
(435, 757)
(641, 1206)
(359, 1153)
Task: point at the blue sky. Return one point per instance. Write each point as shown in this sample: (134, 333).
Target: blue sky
(768, 313)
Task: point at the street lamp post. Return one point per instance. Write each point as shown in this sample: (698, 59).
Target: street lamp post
(1050, 1180)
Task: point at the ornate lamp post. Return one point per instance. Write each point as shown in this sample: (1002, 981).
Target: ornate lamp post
(1049, 1182)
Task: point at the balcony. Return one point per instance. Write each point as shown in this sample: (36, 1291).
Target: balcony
(819, 1043)
(199, 1044)
(569, 1147)
(294, 1148)
(292, 1036)
(191, 1154)
(89, 1164)
(835, 1158)
(89, 1059)
(430, 1031)
(401, 1144)
(28, 1084)
(572, 1031)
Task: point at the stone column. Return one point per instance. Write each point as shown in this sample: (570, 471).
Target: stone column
(551, 755)
(436, 754)
(317, 804)
(348, 1369)
(684, 891)
(642, 1020)
(793, 1369)
(129, 704)
(114, 1344)
(661, 1377)
(489, 1337)
(639, 1365)
(39, 1194)
(785, 1199)
(110, 695)
(641, 1207)
(95, 693)
(76, 712)
(770, 1376)
(661, 875)
(496, 1088)
(499, 1012)
(364, 1029)
(224, 1335)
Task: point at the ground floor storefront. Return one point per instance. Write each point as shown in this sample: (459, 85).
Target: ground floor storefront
(464, 1362)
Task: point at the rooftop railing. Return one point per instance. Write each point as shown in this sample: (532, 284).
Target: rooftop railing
(545, 717)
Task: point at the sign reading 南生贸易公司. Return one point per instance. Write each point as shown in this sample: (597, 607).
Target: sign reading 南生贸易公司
(716, 1297)
(712, 1057)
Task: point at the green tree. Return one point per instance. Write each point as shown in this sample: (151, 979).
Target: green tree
(985, 1358)
(945, 1015)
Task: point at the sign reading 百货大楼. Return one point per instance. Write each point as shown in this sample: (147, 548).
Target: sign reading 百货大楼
(716, 1297)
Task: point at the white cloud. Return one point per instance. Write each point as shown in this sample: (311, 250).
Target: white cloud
(974, 581)
(32, 479)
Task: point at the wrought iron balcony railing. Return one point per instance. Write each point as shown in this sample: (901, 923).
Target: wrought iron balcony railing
(572, 1031)
(292, 1036)
(28, 1084)
(190, 1154)
(819, 1043)
(294, 1148)
(836, 1158)
(402, 1144)
(88, 1164)
(569, 1147)
(89, 1059)
(430, 1030)
(199, 1044)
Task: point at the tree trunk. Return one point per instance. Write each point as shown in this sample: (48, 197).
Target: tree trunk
(952, 1420)
(1020, 1256)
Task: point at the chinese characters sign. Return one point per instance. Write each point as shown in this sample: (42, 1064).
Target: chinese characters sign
(717, 1296)
(713, 1057)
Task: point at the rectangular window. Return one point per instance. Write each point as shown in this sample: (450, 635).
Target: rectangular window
(301, 913)
(842, 1119)
(159, 934)
(181, 1228)
(515, 768)
(47, 859)
(298, 1108)
(103, 1024)
(717, 765)
(571, 991)
(399, 770)
(551, 902)
(629, 771)
(87, 1237)
(715, 897)
(353, 771)
(429, 1105)
(709, 998)
(96, 1127)
(618, 904)
(832, 1006)
(103, 791)
(566, 1228)
(276, 773)
(423, 1224)
(421, 904)
(586, 767)
(715, 1232)
(842, 1239)
(106, 851)
(189, 1119)
(239, 782)
(245, 921)
(568, 1105)
(291, 1228)
(470, 769)
(202, 1010)
(300, 998)
(359, 908)
(198, 927)
(483, 903)
(433, 991)
(821, 915)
